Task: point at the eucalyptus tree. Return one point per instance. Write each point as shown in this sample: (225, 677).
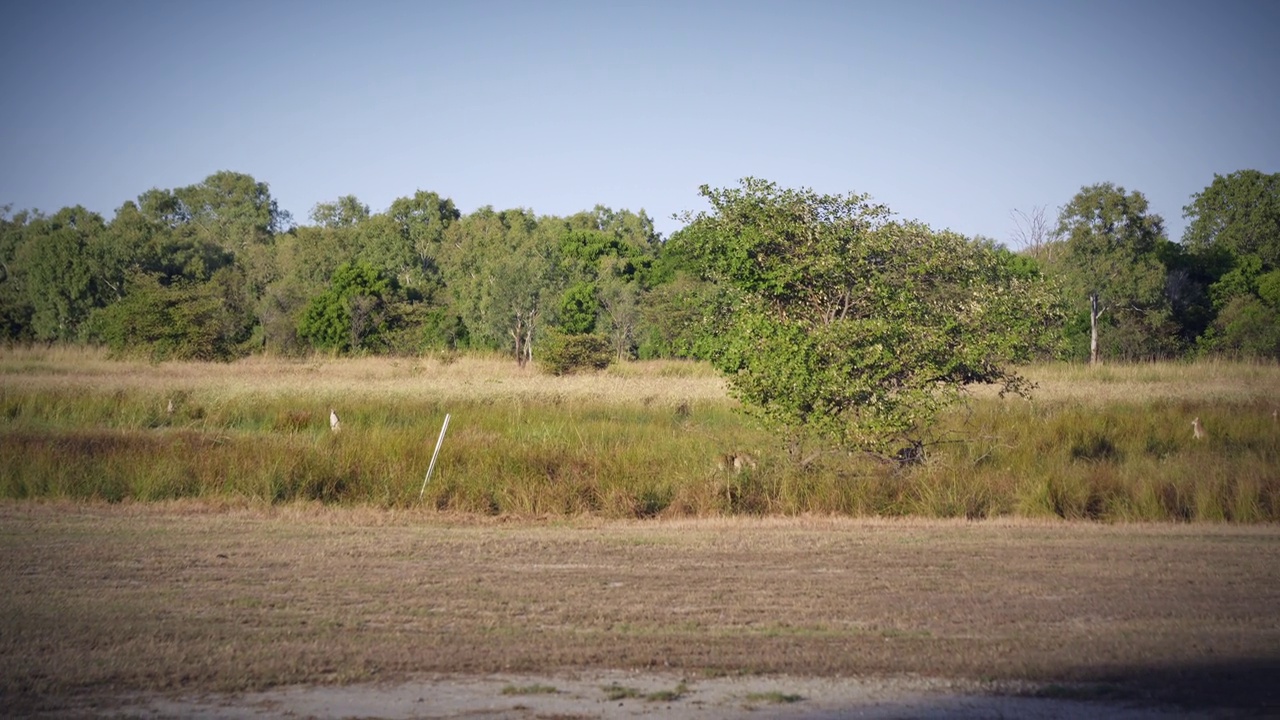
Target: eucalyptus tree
(232, 209)
(345, 212)
(1239, 212)
(421, 220)
(60, 272)
(1112, 261)
(605, 259)
(499, 269)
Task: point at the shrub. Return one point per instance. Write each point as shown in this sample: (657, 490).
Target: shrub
(351, 315)
(183, 321)
(566, 354)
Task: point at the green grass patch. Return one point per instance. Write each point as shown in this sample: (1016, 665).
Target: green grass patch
(614, 692)
(535, 689)
(774, 697)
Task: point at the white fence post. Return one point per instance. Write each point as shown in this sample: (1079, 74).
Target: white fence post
(434, 455)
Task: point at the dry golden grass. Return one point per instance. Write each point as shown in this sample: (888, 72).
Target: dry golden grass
(473, 377)
(1204, 381)
(436, 378)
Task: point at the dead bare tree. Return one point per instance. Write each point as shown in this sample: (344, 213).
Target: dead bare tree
(1032, 233)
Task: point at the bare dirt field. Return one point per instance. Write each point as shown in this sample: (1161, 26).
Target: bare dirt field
(204, 609)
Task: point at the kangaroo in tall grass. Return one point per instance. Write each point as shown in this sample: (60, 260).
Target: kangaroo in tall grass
(735, 462)
(1198, 430)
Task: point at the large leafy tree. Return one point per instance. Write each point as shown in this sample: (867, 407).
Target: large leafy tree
(499, 267)
(1112, 262)
(350, 316)
(1239, 212)
(15, 304)
(840, 322)
(421, 221)
(346, 211)
(229, 208)
(61, 273)
(605, 261)
(1233, 242)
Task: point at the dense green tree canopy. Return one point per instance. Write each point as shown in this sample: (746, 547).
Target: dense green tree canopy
(350, 316)
(493, 279)
(184, 320)
(1239, 212)
(229, 208)
(1112, 264)
(60, 256)
(499, 267)
(844, 323)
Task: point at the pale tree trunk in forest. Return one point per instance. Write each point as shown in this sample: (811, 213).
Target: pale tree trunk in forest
(528, 338)
(522, 335)
(517, 336)
(1093, 328)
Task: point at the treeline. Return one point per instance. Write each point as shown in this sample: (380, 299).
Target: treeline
(216, 270)
(1135, 294)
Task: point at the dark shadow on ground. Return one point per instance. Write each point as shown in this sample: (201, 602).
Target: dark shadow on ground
(1250, 686)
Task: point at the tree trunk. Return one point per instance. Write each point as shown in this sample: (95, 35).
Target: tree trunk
(528, 338)
(518, 337)
(1093, 328)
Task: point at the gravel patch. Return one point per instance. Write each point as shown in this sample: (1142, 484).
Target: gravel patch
(617, 695)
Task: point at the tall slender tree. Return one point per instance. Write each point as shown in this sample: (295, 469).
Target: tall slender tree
(1112, 241)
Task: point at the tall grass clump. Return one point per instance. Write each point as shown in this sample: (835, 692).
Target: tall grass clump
(1118, 461)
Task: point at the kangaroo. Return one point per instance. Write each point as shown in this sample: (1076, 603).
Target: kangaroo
(735, 462)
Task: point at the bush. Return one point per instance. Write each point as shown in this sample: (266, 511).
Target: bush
(184, 321)
(1247, 328)
(566, 354)
(351, 315)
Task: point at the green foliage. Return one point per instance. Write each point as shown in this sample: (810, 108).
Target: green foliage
(578, 309)
(1239, 212)
(561, 354)
(184, 321)
(1269, 289)
(346, 211)
(620, 313)
(677, 318)
(421, 222)
(350, 316)
(1187, 281)
(15, 304)
(279, 310)
(60, 274)
(1114, 272)
(494, 278)
(1234, 234)
(1245, 327)
(500, 270)
(838, 323)
(443, 330)
(230, 209)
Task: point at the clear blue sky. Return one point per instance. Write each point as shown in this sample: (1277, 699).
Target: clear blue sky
(953, 113)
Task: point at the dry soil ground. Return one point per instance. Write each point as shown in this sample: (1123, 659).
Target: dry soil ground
(199, 609)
